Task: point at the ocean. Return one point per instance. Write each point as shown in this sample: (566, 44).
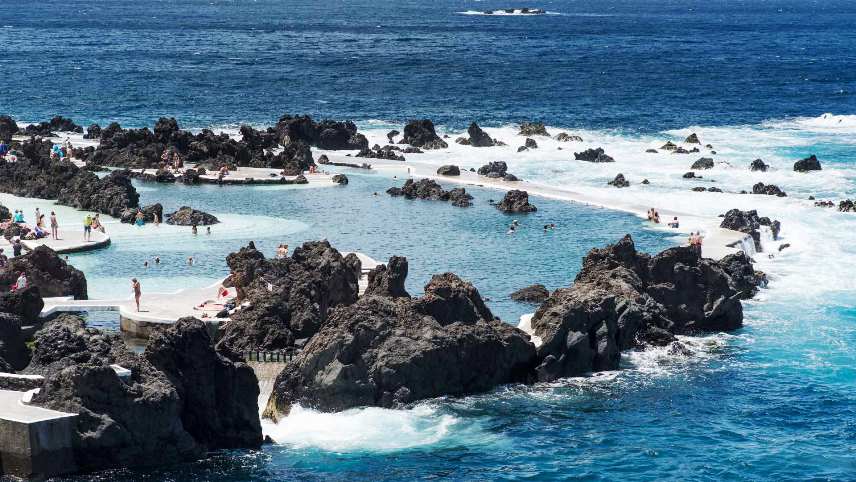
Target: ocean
(775, 400)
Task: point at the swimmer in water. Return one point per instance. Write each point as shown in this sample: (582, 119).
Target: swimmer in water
(190, 261)
(157, 259)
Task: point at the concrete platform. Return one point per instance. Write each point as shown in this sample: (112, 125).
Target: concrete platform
(70, 243)
(34, 442)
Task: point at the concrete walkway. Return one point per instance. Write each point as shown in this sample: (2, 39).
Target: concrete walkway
(718, 242)
(70, 243)
(258, 175)
(167, 308)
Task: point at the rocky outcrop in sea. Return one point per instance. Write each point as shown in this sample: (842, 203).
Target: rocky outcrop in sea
(593, 155)
(429, 189)
(810, 163)
(421, 133)
(288, 298)
(187, 216)
(391, 351)
(750, 223)
(623, 299)
(516, 201)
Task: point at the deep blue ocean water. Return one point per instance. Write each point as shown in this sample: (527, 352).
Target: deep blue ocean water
(626, 64)
(775, 400)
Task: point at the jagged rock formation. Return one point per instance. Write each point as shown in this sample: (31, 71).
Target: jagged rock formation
(516, 201)
(289, 298)
(430, 190)
(182, 399)
(692, 139)
(533, 129)
(47, 271)
(749, 222)
(388, 279)
(758, 165)
(703, 163)
(808, 164)
(593, 155)
(565, 137)
(478, 137)
(768, 189)
(187, 216)
(622, 298)
(420, 133)
(389, 352)
(35, 175)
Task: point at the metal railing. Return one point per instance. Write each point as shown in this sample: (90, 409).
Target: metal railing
(271, 356)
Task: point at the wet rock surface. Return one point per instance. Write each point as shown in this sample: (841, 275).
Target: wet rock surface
(533, 129)
(449, 170)
(516, 201)
(187, 216)
(621, 298)
(810, 163)
(593, 155)
(421, 133)
(428, 189)
(478, 137)
(390, 352)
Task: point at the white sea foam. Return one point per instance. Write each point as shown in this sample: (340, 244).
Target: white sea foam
(363, 429)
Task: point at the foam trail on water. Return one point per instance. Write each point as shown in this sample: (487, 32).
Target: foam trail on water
(363, 429)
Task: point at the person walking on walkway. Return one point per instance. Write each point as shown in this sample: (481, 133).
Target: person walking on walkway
(135, 287)
(87, 227)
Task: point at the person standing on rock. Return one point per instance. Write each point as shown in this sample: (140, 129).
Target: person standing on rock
(135, 287)
(22, 283)
(17, 247)
(54, 226)
(87, 228)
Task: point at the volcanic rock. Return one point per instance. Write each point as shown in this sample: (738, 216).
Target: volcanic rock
(565, 137)
(593, 155)
(619, 181)
(533, 129)
(449, 170)
(420, 133)
(478, 137)
(388, 279)
(494, 169)
(768, 189)
(516, 201)
(808, 164)
(758, 165)
(537, 293)
(703, 163)
(187, 216)
(429, 189)
(47, 271)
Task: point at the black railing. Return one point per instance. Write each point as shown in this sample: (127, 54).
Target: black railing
(271, 356)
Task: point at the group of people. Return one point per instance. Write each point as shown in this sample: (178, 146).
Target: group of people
(62, 151)
(282, 251)
(91, 223)
(654, 217)
(695, 241)
(37, 231)
(171, 160)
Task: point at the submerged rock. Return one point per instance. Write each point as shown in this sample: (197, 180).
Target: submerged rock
(565, 137)
(620, 296)
(619, 181)
(703, 163)
(390, 352)
(420, 133)
(340, 179)
(593, 155)
(808, 164)
(187, 216)
(516, 201)
(533, 129)
(768, 189)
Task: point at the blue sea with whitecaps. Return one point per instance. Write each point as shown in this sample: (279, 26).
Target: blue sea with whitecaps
(775, 400)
